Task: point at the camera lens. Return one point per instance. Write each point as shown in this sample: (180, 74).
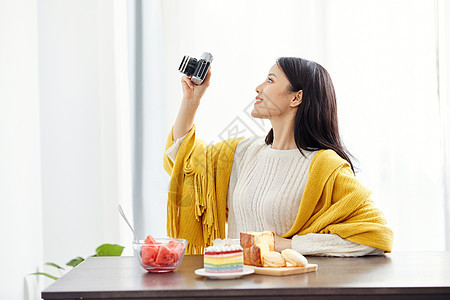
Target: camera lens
(188, 65)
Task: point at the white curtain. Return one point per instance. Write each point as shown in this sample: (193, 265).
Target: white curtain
(65, 133)
(443, 52)
(382, 57)
(20, 165)
(148, 117)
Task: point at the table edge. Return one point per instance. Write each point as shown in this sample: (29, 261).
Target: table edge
(332, 291)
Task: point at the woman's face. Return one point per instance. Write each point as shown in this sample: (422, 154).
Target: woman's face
(274, 97)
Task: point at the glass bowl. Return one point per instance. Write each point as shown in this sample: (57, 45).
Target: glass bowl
(165, 255)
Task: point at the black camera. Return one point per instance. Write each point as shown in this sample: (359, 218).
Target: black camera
(197, 69)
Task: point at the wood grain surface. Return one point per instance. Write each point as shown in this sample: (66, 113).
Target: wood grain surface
(283, 271)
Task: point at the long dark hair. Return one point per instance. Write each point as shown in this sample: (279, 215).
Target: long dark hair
(316, 124)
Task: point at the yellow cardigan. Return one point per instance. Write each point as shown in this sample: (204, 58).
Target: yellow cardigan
(333, 201)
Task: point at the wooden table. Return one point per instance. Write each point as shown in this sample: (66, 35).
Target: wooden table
(406, 275)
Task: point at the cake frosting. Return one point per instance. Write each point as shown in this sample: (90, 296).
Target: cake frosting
(224, 256)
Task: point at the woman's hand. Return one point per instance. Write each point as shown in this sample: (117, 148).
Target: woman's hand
(193, 93)
(282, 243)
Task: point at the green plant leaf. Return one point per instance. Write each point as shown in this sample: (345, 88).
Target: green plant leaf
(45, 274)
(109, 250)
(54, 265)
(75, 262)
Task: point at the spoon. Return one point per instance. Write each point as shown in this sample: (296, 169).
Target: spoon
(126, 220)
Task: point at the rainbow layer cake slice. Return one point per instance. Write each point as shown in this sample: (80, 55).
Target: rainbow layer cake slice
(223, 257)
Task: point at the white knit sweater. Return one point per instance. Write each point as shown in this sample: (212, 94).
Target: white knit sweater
(264, 193)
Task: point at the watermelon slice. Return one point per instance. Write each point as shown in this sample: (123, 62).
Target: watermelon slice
(174, 247)
(177, 249)
(149, 255)
(166, 256)
(150, 240)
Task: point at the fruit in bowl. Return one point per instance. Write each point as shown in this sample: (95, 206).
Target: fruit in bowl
(160, 254)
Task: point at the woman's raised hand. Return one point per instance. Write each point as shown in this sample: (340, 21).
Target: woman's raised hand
(193, 93)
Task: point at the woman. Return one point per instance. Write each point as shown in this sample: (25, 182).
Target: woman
(298, 181)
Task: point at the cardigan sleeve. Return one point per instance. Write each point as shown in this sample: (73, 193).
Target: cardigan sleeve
(173, 150)
(330, 245)
(335, 202)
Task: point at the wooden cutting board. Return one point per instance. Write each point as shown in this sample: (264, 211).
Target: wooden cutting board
(284, 271)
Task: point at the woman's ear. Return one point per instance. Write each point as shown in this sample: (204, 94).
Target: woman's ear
(297, 99)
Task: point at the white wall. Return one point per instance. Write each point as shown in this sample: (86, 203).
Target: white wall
(20, 168)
